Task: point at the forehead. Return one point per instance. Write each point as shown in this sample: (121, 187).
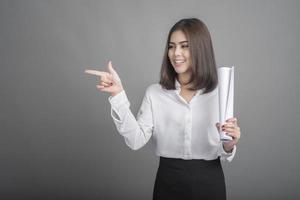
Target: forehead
(177, 36)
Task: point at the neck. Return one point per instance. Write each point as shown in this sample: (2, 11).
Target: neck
(184, 78)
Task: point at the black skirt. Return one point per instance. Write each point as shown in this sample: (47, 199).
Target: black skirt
(179, 179)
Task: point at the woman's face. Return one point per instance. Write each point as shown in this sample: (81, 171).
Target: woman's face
(179, 53)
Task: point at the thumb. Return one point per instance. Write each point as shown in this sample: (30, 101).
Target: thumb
(111, 69)
(113, 72)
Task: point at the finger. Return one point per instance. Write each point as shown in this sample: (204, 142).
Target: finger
(105, 89)
(233, 119)
(235, 123)
(106, 84)
(95, 72)
(231, 125)
(228, 129)
(231, 135)
(235, 135)
(105, 80)
(111, 69)
(114, 74)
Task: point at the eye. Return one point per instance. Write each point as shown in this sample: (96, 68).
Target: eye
(185, 46)
(170, 47)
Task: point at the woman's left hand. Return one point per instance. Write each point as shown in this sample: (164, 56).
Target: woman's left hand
(232, 129)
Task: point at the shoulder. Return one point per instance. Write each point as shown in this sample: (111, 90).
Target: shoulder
(211, 94)
(153, 90)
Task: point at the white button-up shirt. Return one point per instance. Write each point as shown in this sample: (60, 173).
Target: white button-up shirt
(179, 129)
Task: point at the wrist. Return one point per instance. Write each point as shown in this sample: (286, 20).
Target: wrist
(115, 93)
(228, 149)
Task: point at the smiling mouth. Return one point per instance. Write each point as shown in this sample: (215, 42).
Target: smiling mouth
(178, 63)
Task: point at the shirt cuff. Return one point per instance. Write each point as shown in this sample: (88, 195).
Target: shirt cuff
(227, 156)
(119, 100)
(119, 107)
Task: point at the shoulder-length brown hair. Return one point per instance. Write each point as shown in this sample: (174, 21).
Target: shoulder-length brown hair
(204, 71)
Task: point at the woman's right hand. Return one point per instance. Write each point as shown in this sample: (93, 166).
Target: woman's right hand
(109, 81)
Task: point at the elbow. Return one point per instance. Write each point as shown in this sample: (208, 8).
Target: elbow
(133, 146)
(136, 141)
(136, 147)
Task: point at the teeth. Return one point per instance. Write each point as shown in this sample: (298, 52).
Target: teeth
(179, 61)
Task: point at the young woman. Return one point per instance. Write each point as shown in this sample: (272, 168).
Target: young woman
(180, 114)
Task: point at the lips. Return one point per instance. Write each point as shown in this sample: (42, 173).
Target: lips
(178, 62)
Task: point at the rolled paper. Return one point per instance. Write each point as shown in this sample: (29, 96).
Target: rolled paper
(226, 92)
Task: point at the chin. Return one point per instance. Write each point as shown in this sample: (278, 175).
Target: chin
(180, 71)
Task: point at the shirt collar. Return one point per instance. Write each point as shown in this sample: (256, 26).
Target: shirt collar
(178, 88)
(177, 84)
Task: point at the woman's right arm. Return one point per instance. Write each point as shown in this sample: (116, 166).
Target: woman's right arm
(136, 132)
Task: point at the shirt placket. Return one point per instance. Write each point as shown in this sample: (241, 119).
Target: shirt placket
(188, 134)
(187, 143)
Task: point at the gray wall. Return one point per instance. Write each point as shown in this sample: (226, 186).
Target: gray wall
(57, 138)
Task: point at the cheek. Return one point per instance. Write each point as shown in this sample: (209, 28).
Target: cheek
(170, 54)
(187, 55)
(189, 58)
(170, 57)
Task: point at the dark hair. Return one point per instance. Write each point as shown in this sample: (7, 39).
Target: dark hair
(204, 71)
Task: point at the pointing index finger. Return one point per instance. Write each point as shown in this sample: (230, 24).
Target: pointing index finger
(95, 72)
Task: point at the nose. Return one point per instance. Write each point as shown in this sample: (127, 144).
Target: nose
(177, 50)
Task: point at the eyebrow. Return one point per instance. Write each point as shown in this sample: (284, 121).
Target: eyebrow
(179, 42)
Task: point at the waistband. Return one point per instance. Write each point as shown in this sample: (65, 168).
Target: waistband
(193, 163)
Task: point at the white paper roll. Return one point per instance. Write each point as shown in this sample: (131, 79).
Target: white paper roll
(226, 93)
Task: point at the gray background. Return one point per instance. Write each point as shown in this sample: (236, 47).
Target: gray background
(57, 138)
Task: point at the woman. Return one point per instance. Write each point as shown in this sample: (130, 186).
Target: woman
(179, 113)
